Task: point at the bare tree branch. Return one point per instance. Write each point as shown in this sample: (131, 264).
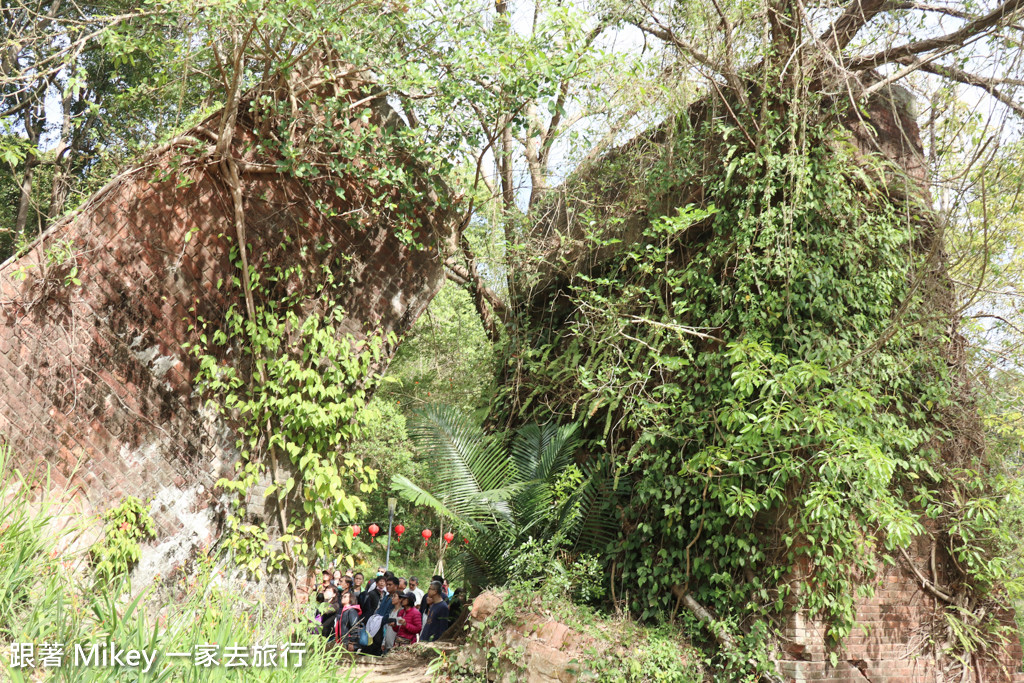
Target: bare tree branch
(666, 34)
(461, 276)
(961, 76)
(854, 17)
(897, 5)
(563, 93)
(1007, 10)
(911, 65)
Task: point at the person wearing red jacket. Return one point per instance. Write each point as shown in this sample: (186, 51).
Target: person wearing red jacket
(410, 621)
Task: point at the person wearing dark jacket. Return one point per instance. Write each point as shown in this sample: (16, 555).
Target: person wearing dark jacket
(437, 617)
(376, 646)
(370, 600)
(346, 628)
(425, 603)
(455, 605)
(329, 612)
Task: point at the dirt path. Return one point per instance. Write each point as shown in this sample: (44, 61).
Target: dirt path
(407, 664)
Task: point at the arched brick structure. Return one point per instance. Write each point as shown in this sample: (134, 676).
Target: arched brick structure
(96, 388)
(901, 629)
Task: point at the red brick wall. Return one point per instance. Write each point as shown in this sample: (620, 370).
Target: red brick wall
(902, 629)
(901, 634)
(95, 387)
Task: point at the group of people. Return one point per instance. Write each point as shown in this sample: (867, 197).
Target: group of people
(386, 612)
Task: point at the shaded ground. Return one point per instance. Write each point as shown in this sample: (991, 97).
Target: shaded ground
(406, 664)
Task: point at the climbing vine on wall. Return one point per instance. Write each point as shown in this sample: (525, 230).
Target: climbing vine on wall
(293, 399)
(125, 525)
(768, 375)
(284, 367)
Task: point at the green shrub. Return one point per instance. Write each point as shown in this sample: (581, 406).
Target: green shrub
(47, 596)
(119, 551)
(538, 567)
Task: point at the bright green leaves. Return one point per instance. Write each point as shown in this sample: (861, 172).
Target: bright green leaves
(308, 383)
(765, 377)
(504, 494)
(124, 526)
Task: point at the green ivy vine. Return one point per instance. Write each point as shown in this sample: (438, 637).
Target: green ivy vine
(293, 402)
(768, 376)
(125, 525)
(281, 368)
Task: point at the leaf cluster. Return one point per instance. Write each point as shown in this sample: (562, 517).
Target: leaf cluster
(125, 525)
(766, 375)
(501, 492)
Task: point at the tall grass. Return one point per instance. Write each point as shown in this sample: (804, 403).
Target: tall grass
(47, 597)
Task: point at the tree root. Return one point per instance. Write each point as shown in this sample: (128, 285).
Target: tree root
(724, 638)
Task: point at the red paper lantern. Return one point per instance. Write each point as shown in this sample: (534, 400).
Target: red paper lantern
(399, 530)
(427, 533)
(355, 530)
(374, 529)
(448, 538)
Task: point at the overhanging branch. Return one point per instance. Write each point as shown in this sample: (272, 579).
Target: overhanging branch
(850, 22)
(969, 30)
(961, 76)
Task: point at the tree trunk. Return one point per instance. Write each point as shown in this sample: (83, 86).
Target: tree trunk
(31, 161)
(61, 163)
(25, 200)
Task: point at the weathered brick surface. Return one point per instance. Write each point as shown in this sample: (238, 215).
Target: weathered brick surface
(902, 630)
(900, 635)
(96, 387)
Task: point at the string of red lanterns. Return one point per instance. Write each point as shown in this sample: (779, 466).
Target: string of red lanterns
(400, 529)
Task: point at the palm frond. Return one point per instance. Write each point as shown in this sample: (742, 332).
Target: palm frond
(486, 562)
(416, 495)
(541, 452)
(598, 524)
(466, 462)
(506, 496)
(530, 441)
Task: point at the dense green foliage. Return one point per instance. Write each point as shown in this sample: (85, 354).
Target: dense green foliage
(126, 524)
(508, 499)
(746, 322)
(298, 403)
(605, 648)
(49, 597)
(769, 375)
(445, 359)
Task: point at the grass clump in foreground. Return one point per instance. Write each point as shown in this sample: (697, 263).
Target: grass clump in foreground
(49, 598)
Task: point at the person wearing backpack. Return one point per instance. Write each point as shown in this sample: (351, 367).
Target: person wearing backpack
(346, 626)
(370, 599)
(371, 638)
